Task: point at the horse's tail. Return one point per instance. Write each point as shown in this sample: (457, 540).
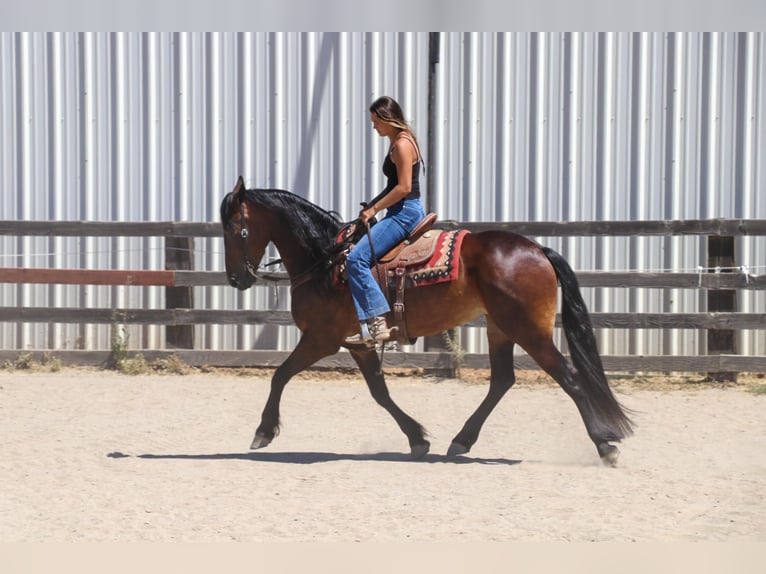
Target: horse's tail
(584, 351)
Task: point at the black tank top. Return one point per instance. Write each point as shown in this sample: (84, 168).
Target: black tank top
(389, 170)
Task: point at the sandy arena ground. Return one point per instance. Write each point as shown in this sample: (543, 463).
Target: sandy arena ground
(100, 456)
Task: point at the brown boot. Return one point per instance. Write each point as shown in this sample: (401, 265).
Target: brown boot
(378, 329)
(372, 331)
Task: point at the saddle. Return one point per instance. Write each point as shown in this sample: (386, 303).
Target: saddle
(425, 257)
(391, 270)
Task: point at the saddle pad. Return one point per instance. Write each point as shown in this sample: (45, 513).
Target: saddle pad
(444, 263)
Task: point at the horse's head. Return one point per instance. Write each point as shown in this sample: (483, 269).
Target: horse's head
(303, 233)
(244, 245)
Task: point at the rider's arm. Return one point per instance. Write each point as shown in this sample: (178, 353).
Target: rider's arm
(404, 156)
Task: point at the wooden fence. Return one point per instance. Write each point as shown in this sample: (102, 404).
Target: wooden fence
(721, 321)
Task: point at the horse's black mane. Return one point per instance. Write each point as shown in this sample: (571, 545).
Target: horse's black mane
(314, 228)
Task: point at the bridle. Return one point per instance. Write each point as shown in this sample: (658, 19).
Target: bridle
(250, 267)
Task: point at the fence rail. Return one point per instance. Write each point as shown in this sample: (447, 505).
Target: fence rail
(720, 321)
(249, 316)
(720, 227)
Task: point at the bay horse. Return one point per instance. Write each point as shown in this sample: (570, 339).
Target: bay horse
(510, 279)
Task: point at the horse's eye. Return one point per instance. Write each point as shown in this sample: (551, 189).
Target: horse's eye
(243, 233)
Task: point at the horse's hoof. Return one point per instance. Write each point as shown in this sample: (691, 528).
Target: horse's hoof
(609, 454)
(259, 442)
(420, 450)
(456, 449)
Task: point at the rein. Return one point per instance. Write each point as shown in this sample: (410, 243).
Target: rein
(252, 268)
(377, 265)
(306, 275)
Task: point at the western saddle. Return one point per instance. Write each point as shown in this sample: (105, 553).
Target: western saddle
(390, 271)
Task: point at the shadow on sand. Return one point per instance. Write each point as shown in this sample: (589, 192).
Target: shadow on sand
(317, 457)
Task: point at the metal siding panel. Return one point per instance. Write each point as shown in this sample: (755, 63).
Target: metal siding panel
(542, 126)
(752, 251)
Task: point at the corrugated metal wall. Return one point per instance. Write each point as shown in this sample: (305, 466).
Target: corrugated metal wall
(529, 126)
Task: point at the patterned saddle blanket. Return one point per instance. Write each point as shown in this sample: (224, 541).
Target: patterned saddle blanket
(432, 258)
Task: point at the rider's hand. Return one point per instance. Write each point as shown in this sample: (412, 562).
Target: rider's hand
(366, 214)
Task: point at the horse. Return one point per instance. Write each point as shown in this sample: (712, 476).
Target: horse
(510, 279)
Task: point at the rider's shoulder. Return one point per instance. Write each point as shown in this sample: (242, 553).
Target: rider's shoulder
(404, 146)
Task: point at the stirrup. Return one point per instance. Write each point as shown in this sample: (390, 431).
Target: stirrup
(371, 332)
(363, 337)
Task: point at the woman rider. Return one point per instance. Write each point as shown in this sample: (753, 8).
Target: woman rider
(401, 200)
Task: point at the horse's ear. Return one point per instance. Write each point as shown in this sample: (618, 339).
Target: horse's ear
(239, 188)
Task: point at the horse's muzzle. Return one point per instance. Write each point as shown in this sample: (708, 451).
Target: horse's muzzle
(241, 280)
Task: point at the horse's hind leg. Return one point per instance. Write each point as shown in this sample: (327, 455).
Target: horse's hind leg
(368, 362)
(564, 373)
(502, 378)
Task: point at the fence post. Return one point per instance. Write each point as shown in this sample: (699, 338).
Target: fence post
(438, 342)
(720, 258)
(179, 256)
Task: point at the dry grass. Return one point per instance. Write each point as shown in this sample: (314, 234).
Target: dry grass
(754, 383)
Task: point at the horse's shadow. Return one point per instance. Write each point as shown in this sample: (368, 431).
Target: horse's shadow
(319, 457)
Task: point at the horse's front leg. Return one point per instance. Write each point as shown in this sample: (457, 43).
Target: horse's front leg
(368, 362)
(308, 351)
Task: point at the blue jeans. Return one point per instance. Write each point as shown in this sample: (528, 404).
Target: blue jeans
(400, 219)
